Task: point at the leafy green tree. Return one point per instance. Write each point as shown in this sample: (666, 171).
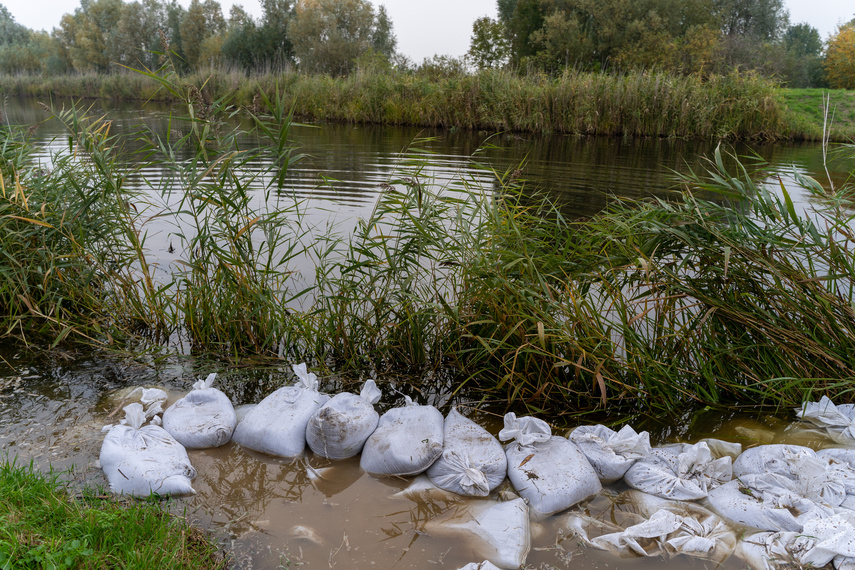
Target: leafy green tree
(329, 35)
(802, 57)
(21, 49)
(239, 46)
(527, 18)
(506, 10)
(761, 19)
(260, 45)
(11, 32)
(172, 33)
(489, 46)
(274, 47)
(201, 21)
(88, 35)
(383, 40)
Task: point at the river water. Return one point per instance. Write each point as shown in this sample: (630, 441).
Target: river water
(275, 513)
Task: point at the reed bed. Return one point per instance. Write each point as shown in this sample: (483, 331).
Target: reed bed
(659, 104)
(724, 295)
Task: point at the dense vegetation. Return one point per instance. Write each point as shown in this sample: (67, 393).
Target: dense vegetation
(705, 37)
(727, 300)
(735, 106)
(46, 527)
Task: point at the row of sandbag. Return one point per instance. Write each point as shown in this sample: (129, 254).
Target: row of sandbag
(457, 454)
(551, 473)
(790, 505)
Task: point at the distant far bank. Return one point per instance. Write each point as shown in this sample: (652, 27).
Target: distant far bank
(736, 106)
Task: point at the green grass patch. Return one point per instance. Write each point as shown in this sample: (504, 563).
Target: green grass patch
(43, 525)
(807, 109)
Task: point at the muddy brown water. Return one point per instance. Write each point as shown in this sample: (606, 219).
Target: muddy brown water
(308, 512)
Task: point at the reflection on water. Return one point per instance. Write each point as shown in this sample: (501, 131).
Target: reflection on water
(346, 164)
(271, 512)
(346, 167)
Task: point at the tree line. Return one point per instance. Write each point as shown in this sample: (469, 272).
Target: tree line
(683, 36)
(323, 36)
(707, 37)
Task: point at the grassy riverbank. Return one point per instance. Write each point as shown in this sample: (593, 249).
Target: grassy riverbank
(807, 112)
(44, 526)
(657, 104)
(724, 295)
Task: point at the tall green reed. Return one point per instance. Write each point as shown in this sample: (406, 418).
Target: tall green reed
(640, 103)
(724, 294)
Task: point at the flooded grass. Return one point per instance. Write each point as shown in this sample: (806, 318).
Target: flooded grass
(733, 299)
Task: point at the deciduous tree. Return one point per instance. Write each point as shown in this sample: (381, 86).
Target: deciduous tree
(489, 46)
(328, 35)
(840, 58)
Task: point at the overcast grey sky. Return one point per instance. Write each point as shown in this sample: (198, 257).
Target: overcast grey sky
(434, 27)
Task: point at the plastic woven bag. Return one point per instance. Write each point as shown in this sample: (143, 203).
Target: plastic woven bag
(140, 460)
(823, 540)
(472, 463)
(838, 421)
(496, 531)
(406, 442)
(548, 471)
(340, 427)
(203, 418)
(774, 458)
(611, 453)
(652, 526)
(683, 476)
(277, 425)
(767, 501)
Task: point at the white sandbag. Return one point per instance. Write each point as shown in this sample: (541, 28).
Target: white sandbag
(775, 458)
(242, 410)
(339, 429)
(684, 476)
(611, 453)
(654, 526)
(422, 489)
(406, 442)
(643, 539)
(548, 471)
(841, 467)
(721, 448)
(823, 540)
(203, 418)
(486, 565)
(838, 421)
(472, 463)
(490, 530)
(152, 400)
(277, 425)
(702, 533)
(766, 501)
(139, 460)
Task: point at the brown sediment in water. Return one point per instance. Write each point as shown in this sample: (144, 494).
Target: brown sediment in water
(272, 512)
